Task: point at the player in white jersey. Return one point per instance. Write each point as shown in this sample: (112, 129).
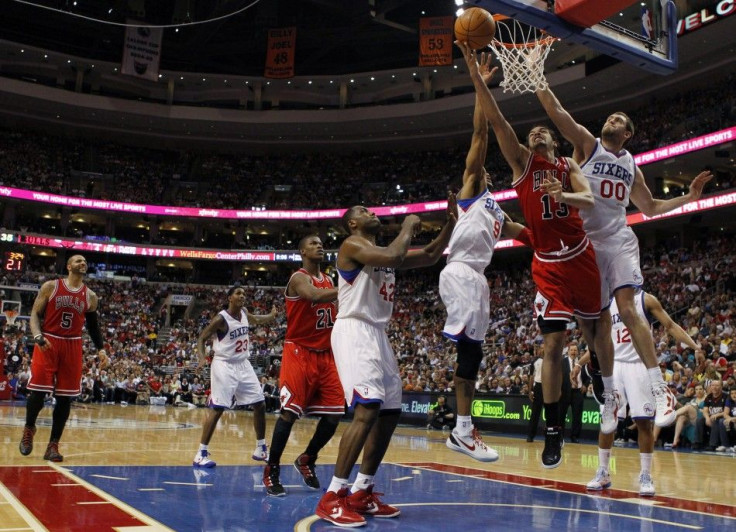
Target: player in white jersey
(364, 358)
(463, 284)
(233, 381)
(614, 179)
(631, 379)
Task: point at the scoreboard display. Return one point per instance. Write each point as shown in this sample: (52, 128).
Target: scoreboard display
(13, 261)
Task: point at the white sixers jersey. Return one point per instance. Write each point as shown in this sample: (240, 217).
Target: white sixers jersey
(476, 232)
(233, 345)
(611, 176)
(623, 347)
(367, 294)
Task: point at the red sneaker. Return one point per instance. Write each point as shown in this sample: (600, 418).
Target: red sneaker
(367, 503)
(52, 452)
(333, 507)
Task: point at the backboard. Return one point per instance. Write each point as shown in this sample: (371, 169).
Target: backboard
(657, 55)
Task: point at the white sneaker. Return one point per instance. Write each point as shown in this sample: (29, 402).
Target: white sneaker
(601, 481)
(721, 449)
(609, 412)
(202, 459)
(471, 445)
(646, 485)
(666, 405)
(261, 453)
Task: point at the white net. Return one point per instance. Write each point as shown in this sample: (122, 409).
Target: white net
(10, 315)
(522, 51)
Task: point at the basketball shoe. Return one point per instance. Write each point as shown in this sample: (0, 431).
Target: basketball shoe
(366, 502)
(471, 445)
(272, 480)
(305, 465)
(333, 507)
(202, 459)
(553, 444)
(261, 453)
(609, 412)
(601, 481)
(666, 405)
(52, 452)
(646, 485)
(26, 442)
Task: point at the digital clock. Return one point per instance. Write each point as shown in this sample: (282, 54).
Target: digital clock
(13, 261)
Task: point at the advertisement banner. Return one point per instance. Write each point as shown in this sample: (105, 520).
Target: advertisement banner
(435, 41)
(180, 299)
(142, 51)
(280, 53)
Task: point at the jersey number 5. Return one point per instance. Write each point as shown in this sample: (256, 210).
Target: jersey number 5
(66, 320)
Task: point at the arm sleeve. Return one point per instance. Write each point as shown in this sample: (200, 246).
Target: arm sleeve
(525, 237)
(93, 328)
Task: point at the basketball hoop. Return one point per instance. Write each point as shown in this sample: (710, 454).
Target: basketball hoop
(10, 315)
(522, 50)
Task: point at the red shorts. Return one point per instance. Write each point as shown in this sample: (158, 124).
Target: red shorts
(58, 369)
(309, 382)
(567, 288)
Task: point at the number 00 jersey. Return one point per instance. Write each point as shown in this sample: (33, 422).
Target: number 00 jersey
(233, 345)
(64, 313)
(478, 228)
(611, 176)
(310, 324)
(367, 293)
(623, 347)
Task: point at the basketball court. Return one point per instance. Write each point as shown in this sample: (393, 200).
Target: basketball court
(129, 469)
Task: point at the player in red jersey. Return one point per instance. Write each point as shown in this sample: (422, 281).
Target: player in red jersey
(551, 190)
(309, 380)
(56, 366)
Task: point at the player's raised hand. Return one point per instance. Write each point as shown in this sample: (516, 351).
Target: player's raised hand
(697, 185)
(484, 67)
(412, 222)
(470, 57)
(553, 187)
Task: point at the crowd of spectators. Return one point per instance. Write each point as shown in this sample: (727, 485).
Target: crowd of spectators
(115, 172)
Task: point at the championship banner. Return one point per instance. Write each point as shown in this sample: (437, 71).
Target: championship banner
(142, 51)
(280, 53)
(435, 41)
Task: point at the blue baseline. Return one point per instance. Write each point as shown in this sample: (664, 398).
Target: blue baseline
(231, 498)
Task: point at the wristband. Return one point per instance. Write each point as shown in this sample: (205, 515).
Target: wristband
(39, 339)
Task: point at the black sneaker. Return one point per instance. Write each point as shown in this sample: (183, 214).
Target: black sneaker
(26, 442)
(305, 465)
(553, 444)
(272, 482)
(52, 452)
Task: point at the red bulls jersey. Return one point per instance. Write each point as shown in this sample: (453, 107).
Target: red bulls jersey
(310, 324)
(557, 227)
(64, 315)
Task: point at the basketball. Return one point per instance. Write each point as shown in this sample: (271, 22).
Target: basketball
(476, 27)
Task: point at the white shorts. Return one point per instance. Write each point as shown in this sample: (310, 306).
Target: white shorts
(466, 296)
(234, 383)
(631, 380)
(366, 364)
(618, 262)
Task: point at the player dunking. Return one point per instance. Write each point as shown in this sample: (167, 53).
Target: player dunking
(463, 285)
(56, 367)
(631, 379)
(309, 380)
(614, 179)
(551, 190)
(364, 358)
(233, 380)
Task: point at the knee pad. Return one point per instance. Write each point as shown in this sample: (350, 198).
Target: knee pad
(551, 326)
(469, 356)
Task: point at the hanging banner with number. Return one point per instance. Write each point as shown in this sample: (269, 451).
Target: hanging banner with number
(280, 53)
(435, 41)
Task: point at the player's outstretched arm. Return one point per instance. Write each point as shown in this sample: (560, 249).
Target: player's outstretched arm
(302, 285)
(432, 252)
(516, 154)
(654, 307)
(357, 250)
(262, 319)
(474, 177)
(642, 197)
(512, 229)
(582, 140)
